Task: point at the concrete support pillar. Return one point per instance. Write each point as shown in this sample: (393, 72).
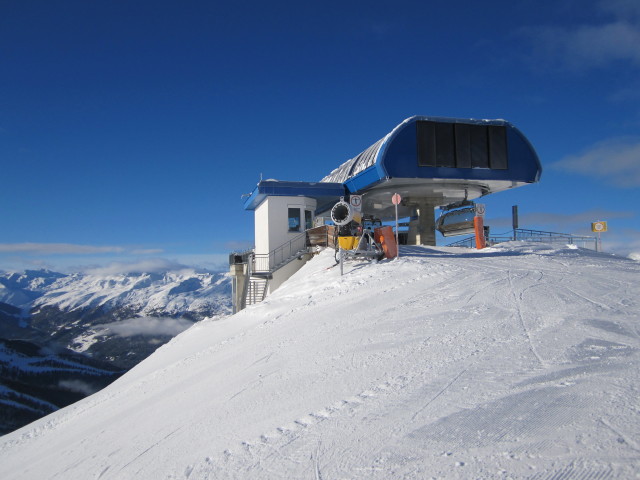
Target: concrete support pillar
(238, 285)
(422, 230)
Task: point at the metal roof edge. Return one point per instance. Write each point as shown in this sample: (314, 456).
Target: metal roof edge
(278, 188)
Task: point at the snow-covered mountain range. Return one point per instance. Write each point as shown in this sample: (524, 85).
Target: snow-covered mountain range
(36, 380)
(116, 317)
(517, 361)
(55, 324)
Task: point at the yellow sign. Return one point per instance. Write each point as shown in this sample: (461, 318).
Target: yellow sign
(599, 227)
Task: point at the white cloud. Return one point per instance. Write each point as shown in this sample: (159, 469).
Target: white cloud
(622, 8)
(586, 217)
(626, 94)
(238, 246)
(589, 46)
(561, 221)
(148, 326)
(57, 249)
(179, 263)
(16, 257)
(210, 261)
(150, 265)
(616, 161)
(147, 251)
(77, 386)
(625, 242)
(596, 46)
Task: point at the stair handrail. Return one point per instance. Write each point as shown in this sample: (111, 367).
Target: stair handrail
(263, 265)
(288, 251)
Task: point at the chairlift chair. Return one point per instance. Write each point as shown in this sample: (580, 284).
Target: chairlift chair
(457, 222)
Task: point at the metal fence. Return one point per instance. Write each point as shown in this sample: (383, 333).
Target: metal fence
(533, 236)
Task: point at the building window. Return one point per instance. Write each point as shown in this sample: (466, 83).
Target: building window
(426, 132)
(460, 145)
(463, 145)
(308, 219)
(498, 148)
(479, 147)
(445, 145)
(294, 219)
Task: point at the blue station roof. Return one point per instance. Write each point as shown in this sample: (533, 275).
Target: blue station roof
(446, 148)
(323, 192)
(439, 161)
(425, 159)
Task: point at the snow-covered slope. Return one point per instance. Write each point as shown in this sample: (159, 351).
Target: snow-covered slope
(520, 361)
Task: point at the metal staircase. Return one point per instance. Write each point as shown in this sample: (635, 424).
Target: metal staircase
(261, 267)
(256, 290)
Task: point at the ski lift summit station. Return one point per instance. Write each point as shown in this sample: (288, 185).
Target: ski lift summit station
(430, 162)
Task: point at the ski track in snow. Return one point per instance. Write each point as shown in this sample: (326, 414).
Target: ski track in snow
(516, 362)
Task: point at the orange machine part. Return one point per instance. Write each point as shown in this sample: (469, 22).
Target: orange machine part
(385, 237)
(478, 224)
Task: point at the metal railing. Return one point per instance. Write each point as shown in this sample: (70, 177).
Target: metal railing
(280, 256)
(256, 291)
(288, 251)
(532, 236)
(258, 268)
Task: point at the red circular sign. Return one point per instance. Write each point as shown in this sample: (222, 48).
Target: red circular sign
(396, 199)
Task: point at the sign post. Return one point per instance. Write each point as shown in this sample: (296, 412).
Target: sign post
(355, 201)
(599, 227)
(396, 199)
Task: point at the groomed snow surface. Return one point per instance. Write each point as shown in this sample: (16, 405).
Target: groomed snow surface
(518, 361)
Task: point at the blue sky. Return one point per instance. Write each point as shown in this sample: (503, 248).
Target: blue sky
(130, 129)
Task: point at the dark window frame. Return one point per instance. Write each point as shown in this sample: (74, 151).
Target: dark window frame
(296, 216)
(308, 219)
(426, 137)
(461, 145)
(498, 152)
